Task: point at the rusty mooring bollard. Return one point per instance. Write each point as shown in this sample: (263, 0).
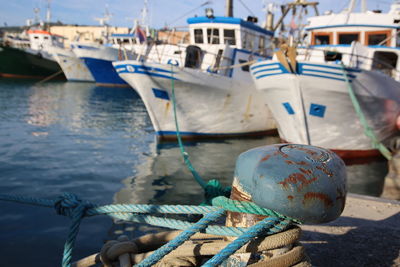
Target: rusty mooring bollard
(303, 182)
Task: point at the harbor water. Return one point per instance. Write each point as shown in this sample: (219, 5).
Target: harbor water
(99, 144)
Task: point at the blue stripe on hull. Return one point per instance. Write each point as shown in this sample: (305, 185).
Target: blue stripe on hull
(103, 71)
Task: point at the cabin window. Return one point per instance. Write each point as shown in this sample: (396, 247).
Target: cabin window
(198, 36)
(193, 57)
(378, 38)
(213, 36)
(245, 67)
(385, 62)
(322, 39)
(244, 39)
(398, 38)
(348, 37)
(229, 37)
(251, 42)
(261, 44)
(46, 37)
(36, 37)
(218, 59)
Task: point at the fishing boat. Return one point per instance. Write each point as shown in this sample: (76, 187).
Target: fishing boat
(27, 55)
(341, 89)
(208, 77)
(73, 67)
(98, 57)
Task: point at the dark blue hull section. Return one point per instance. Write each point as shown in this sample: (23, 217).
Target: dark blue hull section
(103, 72)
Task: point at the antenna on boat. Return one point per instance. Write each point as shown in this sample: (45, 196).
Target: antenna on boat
(104, 22)
(36, 10)
(48, 12)
(229, 8)
(145, 12)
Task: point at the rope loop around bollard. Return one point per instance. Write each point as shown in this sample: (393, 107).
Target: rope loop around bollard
(75, 208)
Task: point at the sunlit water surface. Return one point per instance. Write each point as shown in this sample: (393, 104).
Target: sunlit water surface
(99, 143)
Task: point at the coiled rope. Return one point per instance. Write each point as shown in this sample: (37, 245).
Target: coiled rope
(72, 206)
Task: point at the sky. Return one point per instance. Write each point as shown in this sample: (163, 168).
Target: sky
(161, 12)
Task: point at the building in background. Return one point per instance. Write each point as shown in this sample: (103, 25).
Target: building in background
(86, 34)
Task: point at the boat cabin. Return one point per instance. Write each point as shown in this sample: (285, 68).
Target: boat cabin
(235, 32)
(219, 42)
(123, 39)
(374, 29)
(40, 39)
(370, 29)
(215, 45)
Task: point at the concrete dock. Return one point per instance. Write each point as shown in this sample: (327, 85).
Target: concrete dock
(366, 234)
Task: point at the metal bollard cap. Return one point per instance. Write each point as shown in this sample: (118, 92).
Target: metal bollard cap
(304, 182)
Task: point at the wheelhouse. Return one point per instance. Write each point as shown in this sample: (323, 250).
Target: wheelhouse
(40, 39)
(124, 39)
(219, 42)
(228, 31)
(379, 32)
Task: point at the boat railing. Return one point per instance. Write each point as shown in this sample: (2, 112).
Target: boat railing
(215, 60)
(370, 63)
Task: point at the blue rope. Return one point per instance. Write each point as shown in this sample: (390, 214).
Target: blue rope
(70, 205)
(265, 226)
(118, 208)
(73, 207)
(182, 237)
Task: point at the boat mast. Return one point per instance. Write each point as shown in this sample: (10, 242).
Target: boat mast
(363, 6)
(269, 22)
(292, 6)
(48, 12)
(350, 10)
(145, 12)
(229, 8)
(36, 20)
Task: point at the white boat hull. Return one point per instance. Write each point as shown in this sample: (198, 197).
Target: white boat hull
(313, 106)
(73, 67)
(206, 104)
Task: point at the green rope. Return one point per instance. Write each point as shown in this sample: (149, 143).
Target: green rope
(367, 129)
(248, 207)
(211, 189)
(184, 154)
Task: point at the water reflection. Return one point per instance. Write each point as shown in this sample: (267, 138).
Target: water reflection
(164, 178)
(78, 106)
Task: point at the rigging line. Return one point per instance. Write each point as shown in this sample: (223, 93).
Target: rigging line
(246, 7)
(187, 13)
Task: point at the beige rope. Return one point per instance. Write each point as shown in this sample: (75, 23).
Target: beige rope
(199, 247)
(290, 258)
